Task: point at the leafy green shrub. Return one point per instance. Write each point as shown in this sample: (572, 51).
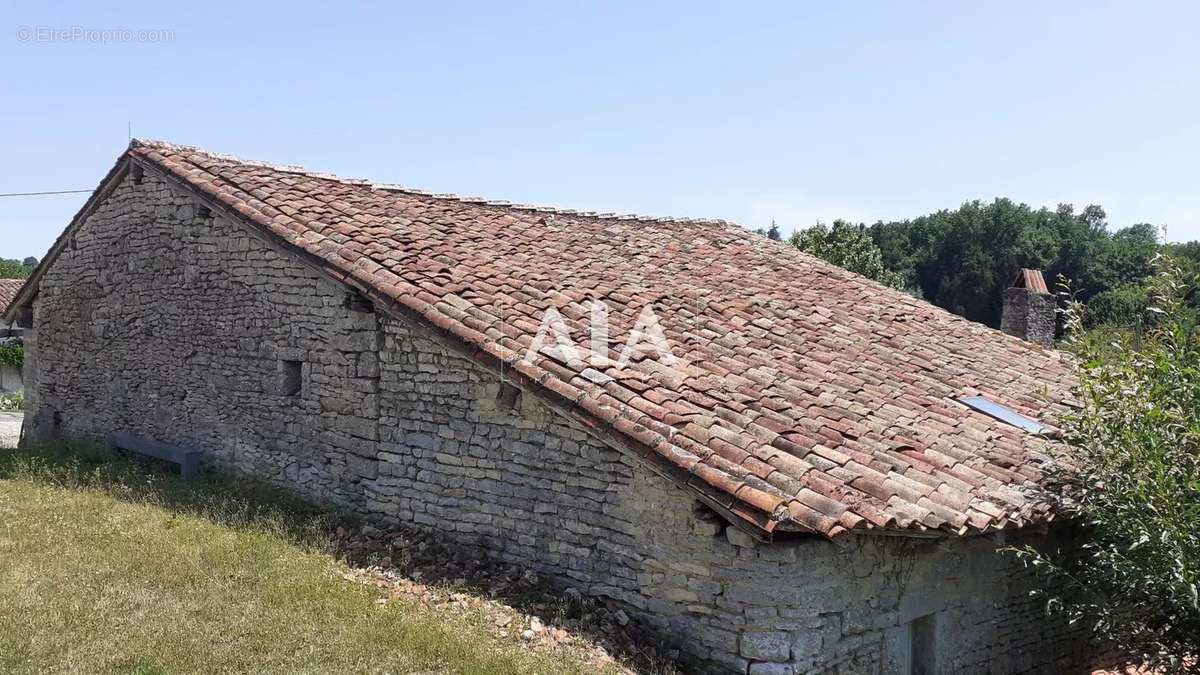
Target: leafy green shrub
(12, 354)
(1134, 488)
(1125, 305)
(848, 246)
(11, 268)
(14, 402)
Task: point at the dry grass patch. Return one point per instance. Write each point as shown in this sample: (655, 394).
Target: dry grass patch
(108, 568)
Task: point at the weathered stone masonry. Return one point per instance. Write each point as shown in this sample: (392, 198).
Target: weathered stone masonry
(1030, 315)
(171, 322)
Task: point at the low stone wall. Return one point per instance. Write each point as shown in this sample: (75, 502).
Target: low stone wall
(160, 321)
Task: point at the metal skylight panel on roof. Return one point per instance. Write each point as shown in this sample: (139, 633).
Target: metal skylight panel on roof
(1003, 413)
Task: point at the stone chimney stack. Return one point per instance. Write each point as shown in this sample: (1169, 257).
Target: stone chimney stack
(1029, 309)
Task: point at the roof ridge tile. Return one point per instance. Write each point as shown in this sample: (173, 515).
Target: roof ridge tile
(450, 196)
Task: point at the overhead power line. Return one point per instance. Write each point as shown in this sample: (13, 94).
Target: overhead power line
(34, 194)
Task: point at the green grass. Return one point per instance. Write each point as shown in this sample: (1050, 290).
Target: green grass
(109, 567)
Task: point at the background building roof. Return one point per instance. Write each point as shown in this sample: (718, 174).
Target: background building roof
(8, 291)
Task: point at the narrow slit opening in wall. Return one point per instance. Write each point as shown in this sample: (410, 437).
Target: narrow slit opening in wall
(923, 645)
(204, 213)
(356, 302)
(290, 380)
(508, 398)
(702, 511)
(138, 174)
(707, 520)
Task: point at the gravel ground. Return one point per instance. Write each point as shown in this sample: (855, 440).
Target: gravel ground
(10, 429)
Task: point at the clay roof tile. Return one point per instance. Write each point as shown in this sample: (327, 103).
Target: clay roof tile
(819, 391)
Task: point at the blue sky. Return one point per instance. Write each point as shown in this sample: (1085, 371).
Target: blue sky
(746, 111)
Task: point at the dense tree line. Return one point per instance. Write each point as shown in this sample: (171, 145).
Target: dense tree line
(17, 269)
(850, 247)
(962, 259)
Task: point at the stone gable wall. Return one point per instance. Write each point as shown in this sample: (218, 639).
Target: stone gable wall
(164, 323)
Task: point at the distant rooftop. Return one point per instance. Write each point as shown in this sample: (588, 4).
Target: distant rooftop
(8, 291)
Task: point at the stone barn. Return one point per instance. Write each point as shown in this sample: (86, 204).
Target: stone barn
(776, 465)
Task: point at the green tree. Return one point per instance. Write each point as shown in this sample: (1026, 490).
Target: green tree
(1188, 257)
(963, 259)
(14, 269)
(848, 246)
(1127, 255)
(1125, 306)
(1133, 486)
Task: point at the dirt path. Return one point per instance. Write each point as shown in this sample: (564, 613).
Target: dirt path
(10, 429)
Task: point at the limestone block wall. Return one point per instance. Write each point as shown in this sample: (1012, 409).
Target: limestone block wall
(184, 327)
(864, 604)
(164, 322)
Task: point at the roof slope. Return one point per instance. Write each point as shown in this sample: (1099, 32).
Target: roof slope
(8, 291)
(803, 397)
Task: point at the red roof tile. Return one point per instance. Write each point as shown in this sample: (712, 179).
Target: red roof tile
(8, 291)
(1031, 279)
(803, 397)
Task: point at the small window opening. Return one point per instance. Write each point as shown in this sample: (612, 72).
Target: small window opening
(56, 425)
(138, 174)
(356, 302)
(508, 398)
(204, 212)
(25, 317)
(1003, 413)
(923, 645)
(289, 378)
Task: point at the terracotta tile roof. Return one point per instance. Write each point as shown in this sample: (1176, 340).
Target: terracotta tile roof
(8, 291)
(804, 397)
(1031, 279)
